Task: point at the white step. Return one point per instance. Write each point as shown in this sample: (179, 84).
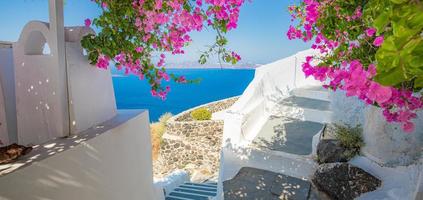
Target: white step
(280, 162)
(288, 136)
(193, 191)
(314, 92)
(305, 109)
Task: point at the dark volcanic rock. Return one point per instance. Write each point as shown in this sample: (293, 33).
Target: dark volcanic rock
(330, 150)
(12, 152)
(344, 181)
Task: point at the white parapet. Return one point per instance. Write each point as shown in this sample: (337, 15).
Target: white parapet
(53, 100)
(107, 162)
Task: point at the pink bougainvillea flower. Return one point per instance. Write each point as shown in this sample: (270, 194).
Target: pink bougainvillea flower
(378, 41)
(408, 127)
(103, 62)
(104, 5)
(379, 93)
(87, 22)
(370, 32)
(139, 49)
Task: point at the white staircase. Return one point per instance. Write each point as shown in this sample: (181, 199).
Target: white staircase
(287, 142)
(193, 191)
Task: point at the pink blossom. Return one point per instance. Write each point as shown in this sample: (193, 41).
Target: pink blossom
(87, 22)
(104, 5)
(378, 41)
(370, 32)
(103, 62)
(139, 49)
(408, 127)
(379, 93)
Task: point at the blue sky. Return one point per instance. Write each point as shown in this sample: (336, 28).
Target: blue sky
(260, 37)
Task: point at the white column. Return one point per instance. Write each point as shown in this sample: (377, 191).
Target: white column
(57, 31)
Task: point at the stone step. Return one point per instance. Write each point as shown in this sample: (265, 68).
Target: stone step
(176, 198)
(305, 109)
(312, 92)
(188, 195)
(288, 135)
(201, 185)
(290, 164)
(198, 188)
(193, 191)
(252, 183)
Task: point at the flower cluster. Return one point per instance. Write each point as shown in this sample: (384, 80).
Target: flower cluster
(348, 59)
(136, 33)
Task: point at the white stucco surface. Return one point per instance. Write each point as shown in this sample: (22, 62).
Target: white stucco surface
(168, 183)
(397, 182)
(387, 144)
(107, 162)
(7, 82)
(4, 136)
(272, 83)
(54, 100)
(90, 89)
(346, 110)
(40, 82)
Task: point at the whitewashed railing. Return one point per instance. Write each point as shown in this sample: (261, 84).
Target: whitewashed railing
(272, 83)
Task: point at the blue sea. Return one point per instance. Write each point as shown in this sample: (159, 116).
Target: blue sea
(215, 84)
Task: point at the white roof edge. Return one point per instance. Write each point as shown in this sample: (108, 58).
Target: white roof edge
(5, 44)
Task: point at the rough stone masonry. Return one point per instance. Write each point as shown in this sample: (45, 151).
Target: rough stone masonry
(192, 145)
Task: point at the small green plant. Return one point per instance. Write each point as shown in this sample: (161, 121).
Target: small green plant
(201, 114)
(350, 138)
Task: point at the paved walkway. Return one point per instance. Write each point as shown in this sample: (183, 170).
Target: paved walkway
(257, 184)
(288, 135)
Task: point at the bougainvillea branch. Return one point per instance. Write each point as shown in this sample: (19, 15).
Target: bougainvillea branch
(370, 49)
(137, 34)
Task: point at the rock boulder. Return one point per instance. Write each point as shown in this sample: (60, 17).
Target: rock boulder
(330, 150)
(344, 181)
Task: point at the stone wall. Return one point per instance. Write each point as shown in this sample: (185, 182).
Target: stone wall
(192, 145)
(212, 107)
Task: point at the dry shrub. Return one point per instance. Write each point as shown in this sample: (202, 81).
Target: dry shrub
(157, 131)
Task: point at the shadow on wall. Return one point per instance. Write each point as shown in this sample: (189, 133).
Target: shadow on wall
(110, 161)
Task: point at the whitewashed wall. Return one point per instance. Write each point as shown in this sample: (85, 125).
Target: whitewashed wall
(346, 110)
(53, 100)
(113, 163)
(40, 82)
(7, 82)
(272, 83)
(90, 89)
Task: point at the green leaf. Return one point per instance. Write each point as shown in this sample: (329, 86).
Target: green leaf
(380, 22)
(398, 1)
(391, 78)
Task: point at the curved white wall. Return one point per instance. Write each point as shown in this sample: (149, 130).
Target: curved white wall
(272, 83)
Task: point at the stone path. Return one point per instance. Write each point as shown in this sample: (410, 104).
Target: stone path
(257, 184)
(305, 102)
(288, 135)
